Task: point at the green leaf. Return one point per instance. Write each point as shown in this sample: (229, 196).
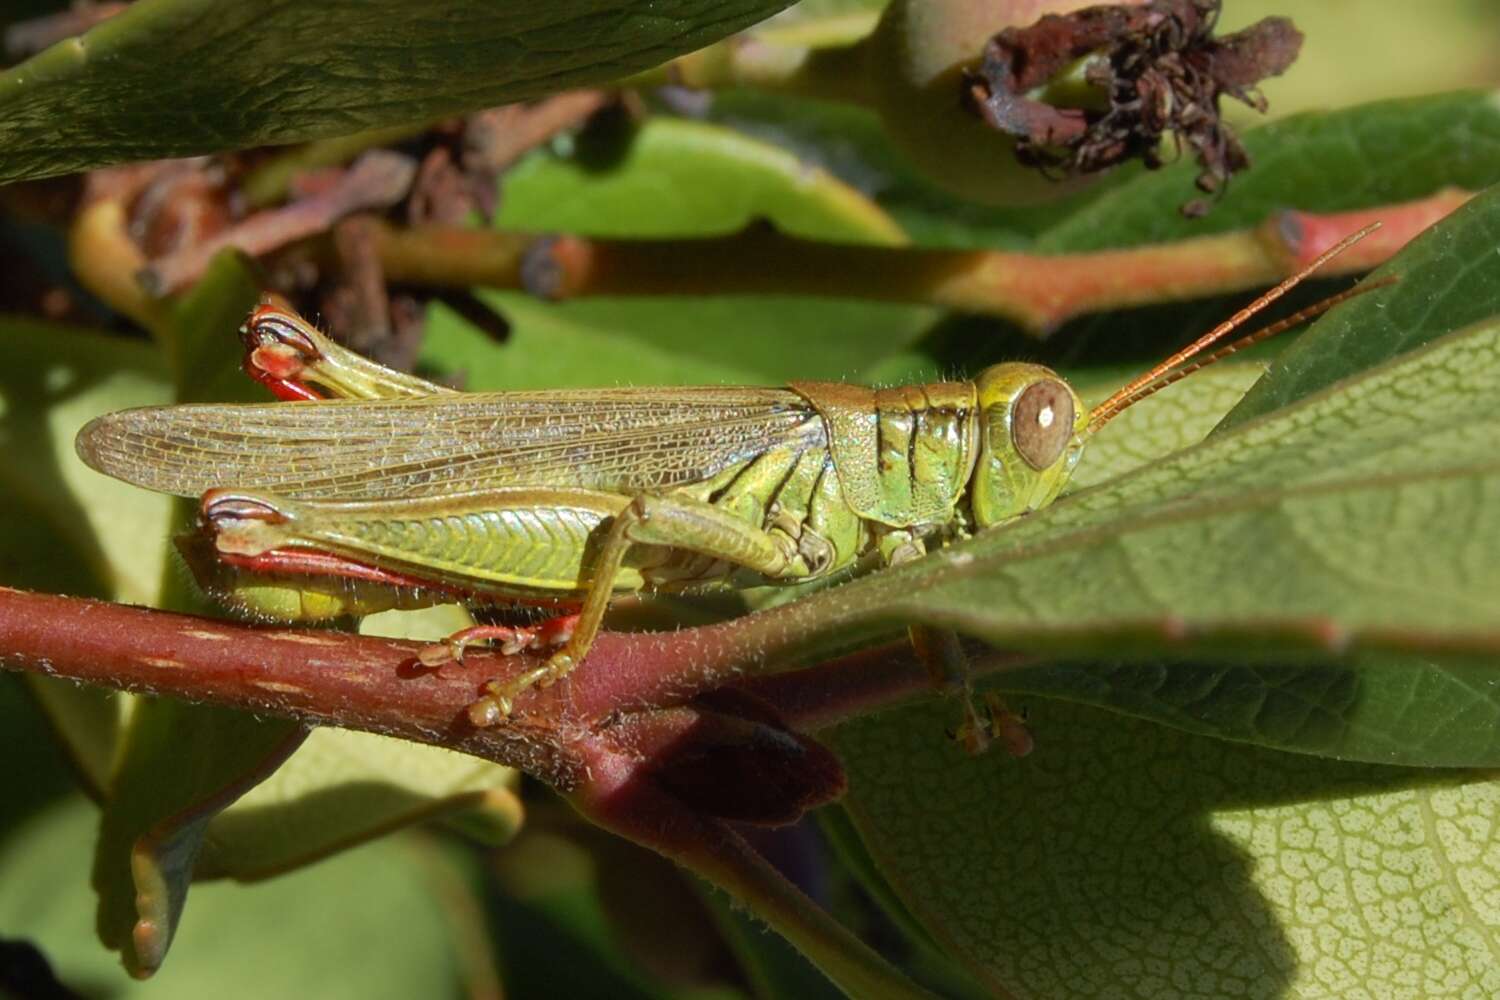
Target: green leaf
(773, 966)
(1358, 157)
(726, 339)
(1377, 708)
(341, 788)
(73, 530)
(1177, 417)
(1358, 712)
(85, 722)
(1363, 711)
(179, 766)
(36, 773)
(63, 527)
(924, 960)
(201, 343)
(1346, 515)
(308, 934)
(68, 529)
(851, 143)
(669, 177)
(818, 23)
(1359, 518)
(1124, 859)
(634, 185)
(1445, 278)
(182, 77)
(556, 935)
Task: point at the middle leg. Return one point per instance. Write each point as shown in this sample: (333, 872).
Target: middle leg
(681, 523)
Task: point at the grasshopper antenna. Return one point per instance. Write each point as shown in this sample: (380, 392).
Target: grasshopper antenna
(1174, 368)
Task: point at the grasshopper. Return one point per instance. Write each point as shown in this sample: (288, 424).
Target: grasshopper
(402, 493)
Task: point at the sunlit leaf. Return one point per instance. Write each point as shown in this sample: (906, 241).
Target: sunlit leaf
(1124, 859)
(307, 934)
(669, 177)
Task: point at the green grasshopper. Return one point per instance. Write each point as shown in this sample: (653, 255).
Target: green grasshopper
(401, 493)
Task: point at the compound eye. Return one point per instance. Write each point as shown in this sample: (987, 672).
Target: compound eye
(1042, 422)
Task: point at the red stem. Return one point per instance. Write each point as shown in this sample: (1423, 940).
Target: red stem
(1036, 290)
(652, 776)
(374, 684)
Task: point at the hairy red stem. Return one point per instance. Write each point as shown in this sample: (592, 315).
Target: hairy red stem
(374, 684)
(661, 777)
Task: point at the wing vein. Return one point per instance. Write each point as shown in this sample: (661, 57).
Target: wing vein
(624, 440)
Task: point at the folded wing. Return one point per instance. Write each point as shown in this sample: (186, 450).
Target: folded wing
(621, 440)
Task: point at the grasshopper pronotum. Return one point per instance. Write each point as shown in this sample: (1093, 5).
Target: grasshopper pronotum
(402, 493)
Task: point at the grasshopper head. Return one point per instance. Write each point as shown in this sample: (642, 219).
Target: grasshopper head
(1031, 431)
(1033, 426)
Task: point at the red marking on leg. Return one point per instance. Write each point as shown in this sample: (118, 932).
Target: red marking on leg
(512, 638)
(277, 351)
(267, 368)
(282, 388)
(310, 562)
(307, 562)
(556, 630)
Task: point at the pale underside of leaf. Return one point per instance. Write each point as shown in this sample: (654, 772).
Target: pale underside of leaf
(181, 77)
